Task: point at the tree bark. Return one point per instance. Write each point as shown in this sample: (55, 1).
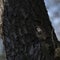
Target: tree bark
(28, 34)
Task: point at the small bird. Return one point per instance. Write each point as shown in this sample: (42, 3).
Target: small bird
(40, 33)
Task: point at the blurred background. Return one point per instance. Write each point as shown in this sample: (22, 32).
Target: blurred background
(53, 8)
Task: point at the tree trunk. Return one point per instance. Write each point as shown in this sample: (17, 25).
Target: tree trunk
(28, 34)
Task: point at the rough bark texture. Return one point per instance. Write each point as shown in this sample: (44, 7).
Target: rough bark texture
(1, 12)
(28, 34)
